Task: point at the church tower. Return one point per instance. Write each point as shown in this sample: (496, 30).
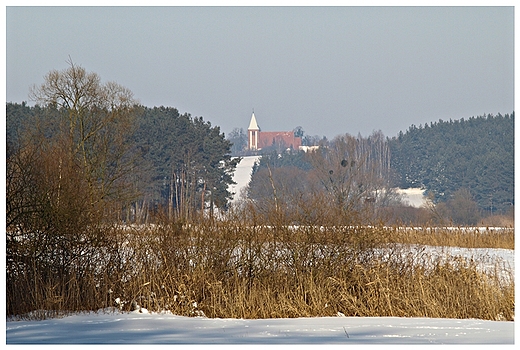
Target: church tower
(253, 131)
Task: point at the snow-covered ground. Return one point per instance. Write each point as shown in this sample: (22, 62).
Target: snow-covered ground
(164, 328)
(242, 175)
(413, 197)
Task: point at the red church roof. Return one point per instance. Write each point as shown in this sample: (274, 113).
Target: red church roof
(263, 139)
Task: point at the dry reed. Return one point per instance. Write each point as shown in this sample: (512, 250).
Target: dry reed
(238, 269)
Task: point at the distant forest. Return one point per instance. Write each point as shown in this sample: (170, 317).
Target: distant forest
(470, 157)
(180, 164)
(476, 154)
(466, 167)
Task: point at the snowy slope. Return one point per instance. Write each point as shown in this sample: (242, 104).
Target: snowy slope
(242, 175)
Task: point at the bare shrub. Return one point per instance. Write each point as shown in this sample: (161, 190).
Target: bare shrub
(229, 269)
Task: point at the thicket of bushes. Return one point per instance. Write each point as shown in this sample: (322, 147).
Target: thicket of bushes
(242, 268)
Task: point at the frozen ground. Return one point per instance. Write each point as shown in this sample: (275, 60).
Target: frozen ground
(148, 328)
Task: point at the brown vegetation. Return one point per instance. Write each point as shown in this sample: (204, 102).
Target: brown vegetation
(236, 268)
(466, 237)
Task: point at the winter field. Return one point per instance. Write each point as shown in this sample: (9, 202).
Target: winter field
(147, 328)
(142, 327)
(110, 326)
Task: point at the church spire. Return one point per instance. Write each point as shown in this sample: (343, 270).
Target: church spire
(253, 130)
(253, 125)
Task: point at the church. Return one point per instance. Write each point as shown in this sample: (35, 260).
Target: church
(258, 139)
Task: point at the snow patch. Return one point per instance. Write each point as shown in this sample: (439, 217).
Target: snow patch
(242, 175)
(413, 197)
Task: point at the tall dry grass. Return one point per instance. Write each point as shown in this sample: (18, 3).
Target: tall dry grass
(466, 237)
(242, 268)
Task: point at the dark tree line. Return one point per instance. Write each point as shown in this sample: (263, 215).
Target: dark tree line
(181, 164)
(476, 154)
(187, 162)
(465, 166)
(149, 160)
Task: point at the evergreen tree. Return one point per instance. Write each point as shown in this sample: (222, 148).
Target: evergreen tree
(476, 154)
(189, 164)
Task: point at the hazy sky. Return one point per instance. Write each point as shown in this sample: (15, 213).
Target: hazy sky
(330, 70)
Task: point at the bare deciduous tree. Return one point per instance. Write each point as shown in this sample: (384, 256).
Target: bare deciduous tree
(95, 119)
(354, 173)
(65, 176)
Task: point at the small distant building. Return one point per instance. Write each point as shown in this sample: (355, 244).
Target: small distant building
(258, 139)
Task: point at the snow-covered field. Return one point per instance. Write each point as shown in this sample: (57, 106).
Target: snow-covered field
(148, 328)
